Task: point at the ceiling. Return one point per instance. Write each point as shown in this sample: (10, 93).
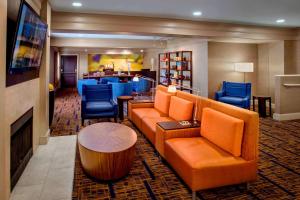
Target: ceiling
(258, 12)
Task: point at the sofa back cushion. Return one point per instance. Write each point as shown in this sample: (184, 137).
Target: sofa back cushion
(223, 130)
(162, 101)
(180, 109)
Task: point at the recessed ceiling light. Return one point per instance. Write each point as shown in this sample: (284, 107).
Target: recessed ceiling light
(142, 50)
(280, 21)
(76, 4)
(197, 13)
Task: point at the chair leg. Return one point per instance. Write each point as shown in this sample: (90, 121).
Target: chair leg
(116, 120)
(82, 122)
(193, 195)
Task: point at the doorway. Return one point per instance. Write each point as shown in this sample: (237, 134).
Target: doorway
(68, 71)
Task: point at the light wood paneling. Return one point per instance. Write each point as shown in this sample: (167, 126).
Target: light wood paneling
(69, 22)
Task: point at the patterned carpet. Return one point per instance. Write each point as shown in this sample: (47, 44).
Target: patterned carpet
(151, 178)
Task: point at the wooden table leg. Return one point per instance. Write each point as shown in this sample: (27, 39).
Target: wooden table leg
(262, 107)
(270, 107)
(253, 103)
(121, 109)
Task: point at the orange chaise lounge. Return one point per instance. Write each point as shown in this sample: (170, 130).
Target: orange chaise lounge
(223, 152)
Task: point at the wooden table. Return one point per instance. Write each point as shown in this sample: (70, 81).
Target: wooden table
(121, 100)
(262, 100)
(107, 150)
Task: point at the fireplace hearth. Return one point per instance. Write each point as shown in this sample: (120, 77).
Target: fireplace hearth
(21, 149)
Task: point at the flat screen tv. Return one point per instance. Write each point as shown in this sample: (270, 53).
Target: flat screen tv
(27, 47)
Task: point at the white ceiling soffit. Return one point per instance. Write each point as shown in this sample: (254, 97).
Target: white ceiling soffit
(259, 12)
(106, 36)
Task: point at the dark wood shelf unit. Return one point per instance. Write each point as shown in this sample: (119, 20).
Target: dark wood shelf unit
(176, 67)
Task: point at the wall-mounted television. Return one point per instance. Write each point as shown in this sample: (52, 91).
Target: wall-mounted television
(26, 47)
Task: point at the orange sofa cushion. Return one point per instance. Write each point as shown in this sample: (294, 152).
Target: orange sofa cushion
(222, 130)
(202, 164)
(139, 113)
(162, 101)
(180, 109)
(149, 126)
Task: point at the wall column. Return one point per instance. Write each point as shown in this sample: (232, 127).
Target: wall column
(44, 78)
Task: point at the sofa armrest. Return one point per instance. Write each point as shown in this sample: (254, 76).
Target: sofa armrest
(219, 94)
(247, 102)
(135, 104)
(162, 135)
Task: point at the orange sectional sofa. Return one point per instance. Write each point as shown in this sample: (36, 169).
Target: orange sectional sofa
(222, 151)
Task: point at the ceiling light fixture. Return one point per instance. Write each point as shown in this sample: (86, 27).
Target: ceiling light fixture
(142, 50)
(197, 13)
(280, 21)
(76, 4)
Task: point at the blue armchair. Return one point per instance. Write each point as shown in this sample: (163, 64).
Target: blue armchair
(97, 102)
(142, 86)
(237, 94)
(82, 82)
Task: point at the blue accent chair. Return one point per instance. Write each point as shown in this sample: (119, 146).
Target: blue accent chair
(237, 94)
(97, 102)
(142, 86)
(82, 82)
(121, 89)
(109, 80)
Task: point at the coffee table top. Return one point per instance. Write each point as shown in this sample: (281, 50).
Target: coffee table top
(107, 137)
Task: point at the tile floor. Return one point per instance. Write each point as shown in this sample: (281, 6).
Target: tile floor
(49, 173)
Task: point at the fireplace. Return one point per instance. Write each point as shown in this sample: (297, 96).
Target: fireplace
(20, 145)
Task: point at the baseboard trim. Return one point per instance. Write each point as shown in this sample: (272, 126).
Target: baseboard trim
(44, 139)
(288, 116)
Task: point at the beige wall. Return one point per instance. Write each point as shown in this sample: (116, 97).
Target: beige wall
(4, 172)
(83, 64)
(270, 63)
(200, 55)
(151, 54)
(221, 59)
(15, 101)
(292, 57)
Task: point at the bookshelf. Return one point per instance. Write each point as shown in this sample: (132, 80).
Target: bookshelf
(176, 68)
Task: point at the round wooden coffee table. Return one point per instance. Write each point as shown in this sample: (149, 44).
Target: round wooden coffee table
(107, 150)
